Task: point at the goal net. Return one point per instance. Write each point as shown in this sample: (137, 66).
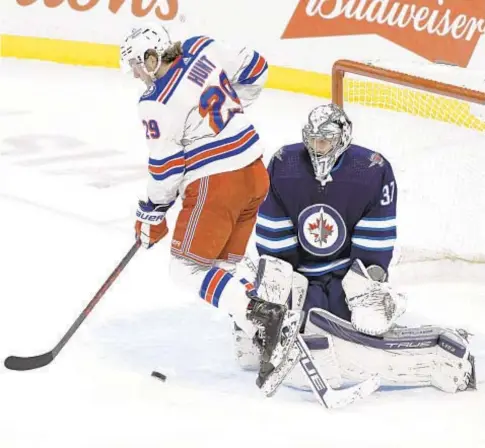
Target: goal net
(429, 121)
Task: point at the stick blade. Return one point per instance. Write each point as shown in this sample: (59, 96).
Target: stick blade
(29, 363)
(338, 398)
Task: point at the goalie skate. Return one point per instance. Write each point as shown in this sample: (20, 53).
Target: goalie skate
(284, 356)
(277, 376)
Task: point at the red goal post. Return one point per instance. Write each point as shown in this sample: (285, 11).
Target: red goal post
(436, 143)
(452, 105)
(368, 70)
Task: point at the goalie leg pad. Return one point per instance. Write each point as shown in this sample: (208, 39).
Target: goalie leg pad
(272, 280)
(419, 356)
(248, 353)
(299, 288)
(323, 350)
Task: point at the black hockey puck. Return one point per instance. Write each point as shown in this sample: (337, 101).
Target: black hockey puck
(159, 375)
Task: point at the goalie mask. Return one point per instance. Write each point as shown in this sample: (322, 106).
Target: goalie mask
(138, 45)
(326, 136)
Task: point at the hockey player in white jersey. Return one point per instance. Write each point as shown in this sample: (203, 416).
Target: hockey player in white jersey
(330, 216)
(203, 149)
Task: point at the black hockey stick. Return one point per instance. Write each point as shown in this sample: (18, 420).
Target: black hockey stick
(34, 362)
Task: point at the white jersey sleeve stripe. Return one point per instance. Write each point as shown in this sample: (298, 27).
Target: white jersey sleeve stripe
(260, 67)
(324, 268)
(221, 149)
(254, 70)
(376, 224)
(161, 169)
(374, 244)
(274, 225)
(277, 244)
(197, 44)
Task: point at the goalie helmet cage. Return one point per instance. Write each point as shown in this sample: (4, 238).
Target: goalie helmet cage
(439, 157)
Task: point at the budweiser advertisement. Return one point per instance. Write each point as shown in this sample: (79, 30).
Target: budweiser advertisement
(438, 30)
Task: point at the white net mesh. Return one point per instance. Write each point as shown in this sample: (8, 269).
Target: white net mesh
(437, 147)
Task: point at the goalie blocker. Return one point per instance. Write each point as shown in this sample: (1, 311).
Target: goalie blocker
(419, 356)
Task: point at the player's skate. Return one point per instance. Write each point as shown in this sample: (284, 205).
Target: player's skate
(278, 330)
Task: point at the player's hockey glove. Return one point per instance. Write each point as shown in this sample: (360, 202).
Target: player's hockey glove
(150, 226)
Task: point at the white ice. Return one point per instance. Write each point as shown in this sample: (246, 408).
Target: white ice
(72, 164)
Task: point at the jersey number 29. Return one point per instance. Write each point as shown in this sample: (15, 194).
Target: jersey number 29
(220, 103)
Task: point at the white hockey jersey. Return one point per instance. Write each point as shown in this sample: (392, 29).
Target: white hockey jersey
(194, 116)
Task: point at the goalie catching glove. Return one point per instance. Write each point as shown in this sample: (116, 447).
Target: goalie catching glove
(373, 304)
(150, 226)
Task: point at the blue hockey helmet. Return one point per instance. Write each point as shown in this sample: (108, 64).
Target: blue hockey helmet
(326, 136)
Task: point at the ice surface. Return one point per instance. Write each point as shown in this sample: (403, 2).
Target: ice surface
(72, 164)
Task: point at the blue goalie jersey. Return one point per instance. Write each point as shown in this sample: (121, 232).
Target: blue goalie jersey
(321, 229)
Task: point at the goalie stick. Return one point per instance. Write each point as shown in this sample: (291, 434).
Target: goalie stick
(35, 362)
(328, 397)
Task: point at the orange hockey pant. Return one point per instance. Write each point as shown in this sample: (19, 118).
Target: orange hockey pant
(219, 213)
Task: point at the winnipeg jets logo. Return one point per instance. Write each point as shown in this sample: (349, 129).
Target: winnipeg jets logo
(376, 159)
(321, 230)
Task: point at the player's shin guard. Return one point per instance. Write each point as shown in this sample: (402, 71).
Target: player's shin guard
(222, 290)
